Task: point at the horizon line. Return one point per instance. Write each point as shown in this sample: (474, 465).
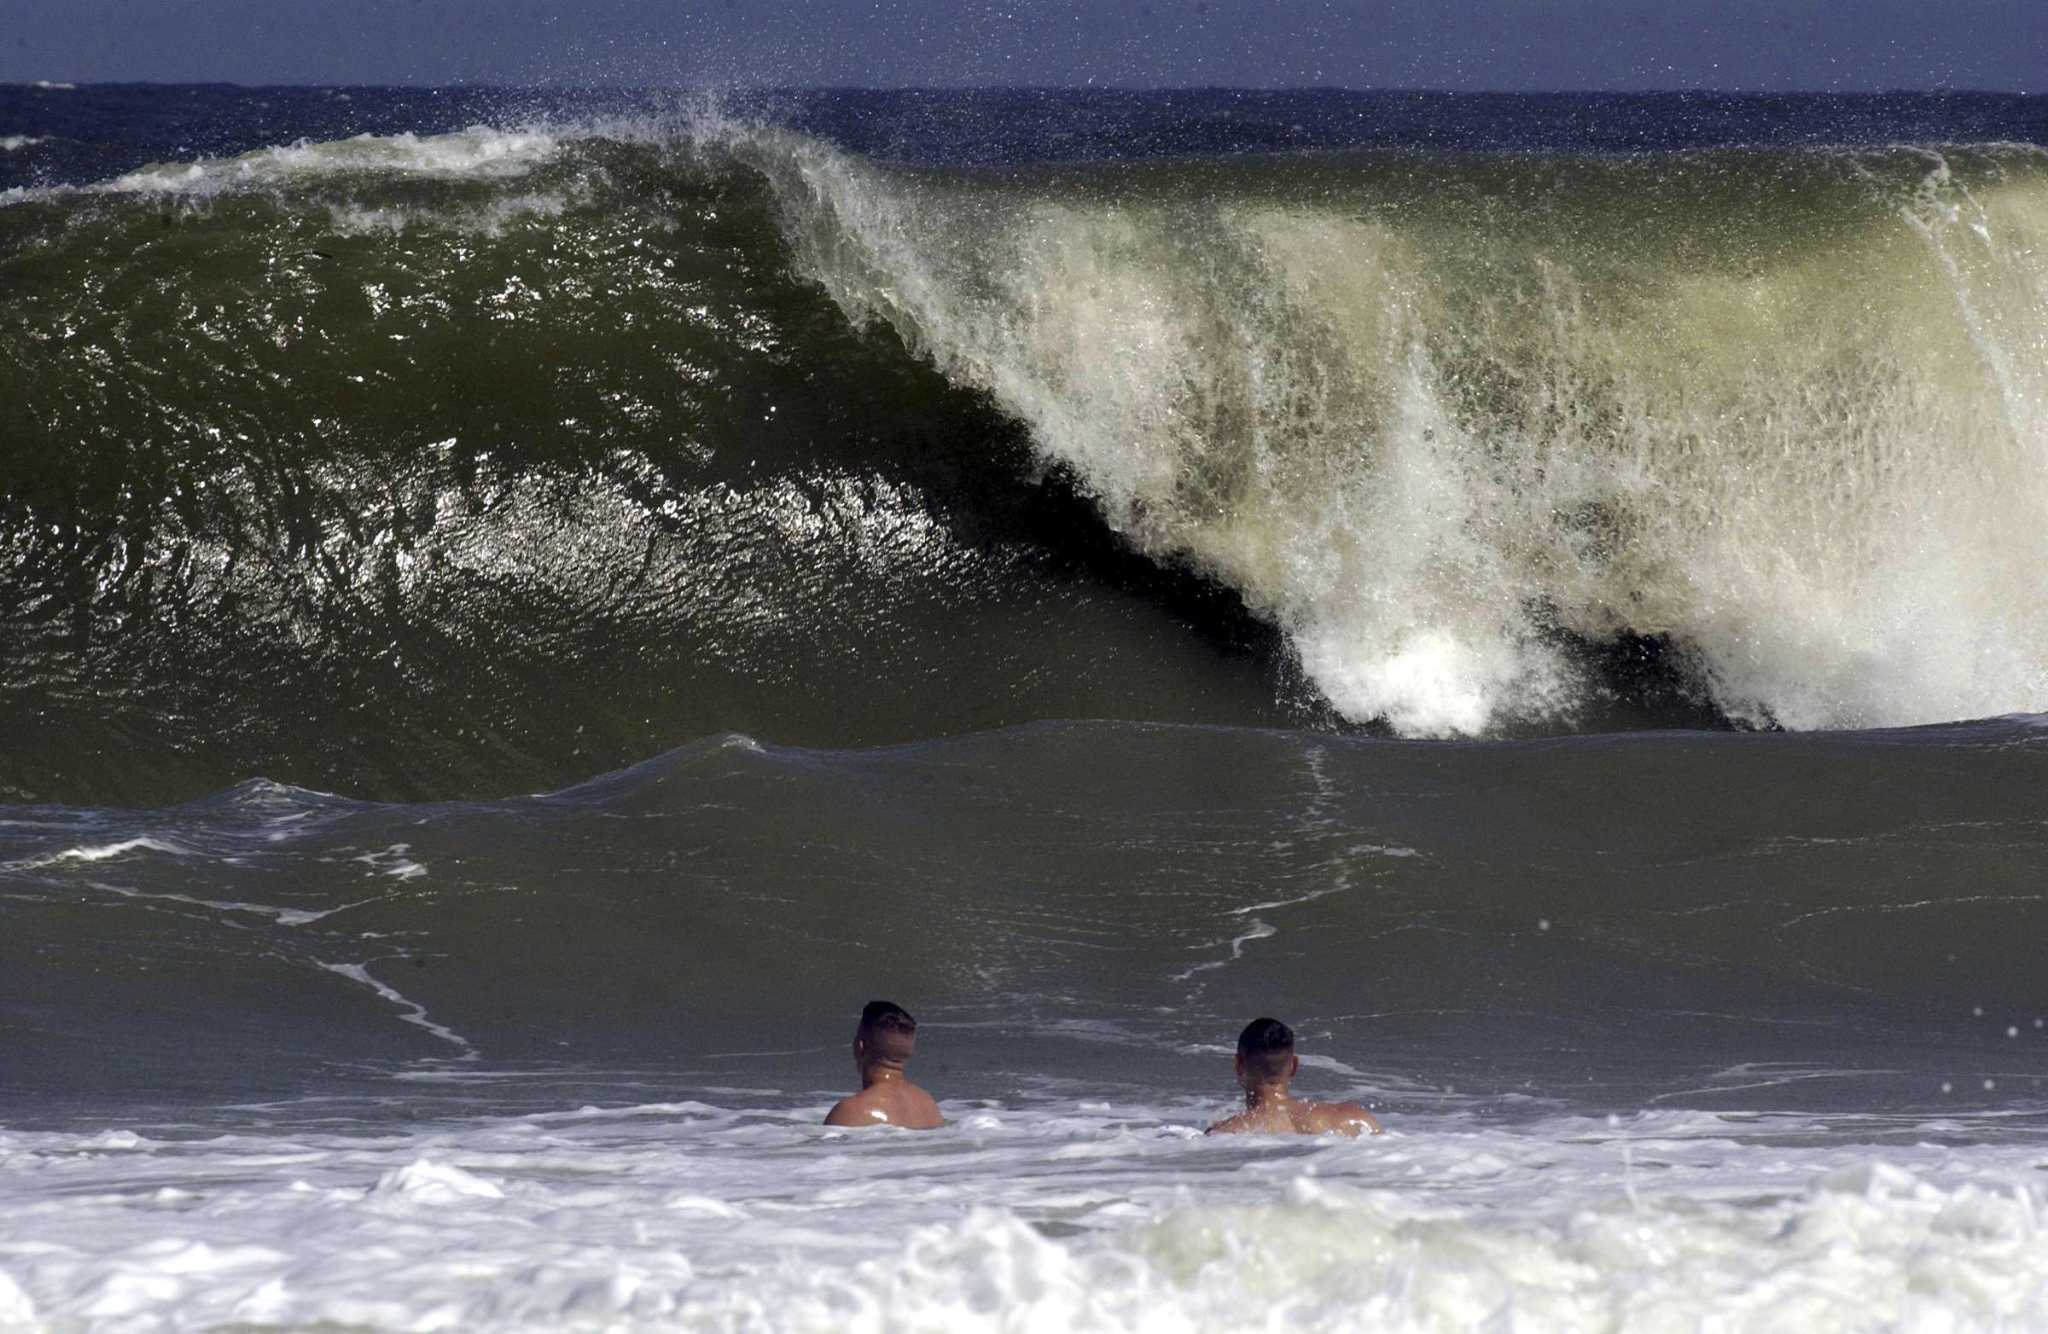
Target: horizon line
(1120, 89)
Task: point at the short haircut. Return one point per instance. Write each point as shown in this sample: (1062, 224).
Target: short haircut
(1266, 1047)
(889, 1029)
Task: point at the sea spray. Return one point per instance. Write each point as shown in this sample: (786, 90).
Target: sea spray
(1785, 411)
(561, 442)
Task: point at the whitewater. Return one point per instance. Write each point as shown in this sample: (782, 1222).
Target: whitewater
(519, 612)
(1047, 1214)
(1427, 438)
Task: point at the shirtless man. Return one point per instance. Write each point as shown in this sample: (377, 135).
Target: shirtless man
(1266, 1064)
(885, 1040)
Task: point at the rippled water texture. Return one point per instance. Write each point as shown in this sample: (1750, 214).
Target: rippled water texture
(436, 464)
(518, 613)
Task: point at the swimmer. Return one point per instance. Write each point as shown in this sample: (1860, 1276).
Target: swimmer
(1266, 1064)
(885, 1040)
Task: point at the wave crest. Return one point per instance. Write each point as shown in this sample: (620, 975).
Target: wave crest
(1779, 410)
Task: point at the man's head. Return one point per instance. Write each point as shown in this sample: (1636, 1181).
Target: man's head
(887, 1034)
(1265, 1053)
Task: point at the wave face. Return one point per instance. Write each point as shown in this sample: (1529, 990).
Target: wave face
(411, 466)
(446, 464)
(1787, 412)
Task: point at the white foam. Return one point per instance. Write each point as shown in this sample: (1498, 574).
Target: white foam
(479, 152)
(16, 1310)
(283, 916)
(492, 218)
(114, 1139)
(1256, 929)
(393, 862)
(413, 1012)
(14, 143)
(1821, 477)
(436, 1183)
(100, 852)
(1109, 1216)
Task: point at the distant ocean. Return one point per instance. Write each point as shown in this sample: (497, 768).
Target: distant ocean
(520, 611)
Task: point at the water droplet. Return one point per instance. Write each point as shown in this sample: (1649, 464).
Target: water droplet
(1543, 924)
(1947, 1087)
(2012, 1030)
(1990, 1084)
(1977, 1010)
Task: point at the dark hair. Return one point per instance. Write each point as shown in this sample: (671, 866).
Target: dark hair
(879, 1016)
(1266, 1046)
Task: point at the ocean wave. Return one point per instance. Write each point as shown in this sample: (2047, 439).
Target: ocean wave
(1778, 409)
(98, 852)
(714, 486)
(1488, 444)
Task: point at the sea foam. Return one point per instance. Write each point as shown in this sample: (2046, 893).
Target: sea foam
(759, 1220)
(479, 152)
(1431, 419)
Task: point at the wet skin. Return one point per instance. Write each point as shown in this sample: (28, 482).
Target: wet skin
(886, 1097)
(1270, 1110)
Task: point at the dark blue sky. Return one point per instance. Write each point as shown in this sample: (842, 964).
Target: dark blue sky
(1463, 44)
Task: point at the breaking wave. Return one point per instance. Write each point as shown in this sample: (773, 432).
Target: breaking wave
(1785, 411)
(514, 455)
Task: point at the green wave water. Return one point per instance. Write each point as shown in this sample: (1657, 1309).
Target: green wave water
(431, 466)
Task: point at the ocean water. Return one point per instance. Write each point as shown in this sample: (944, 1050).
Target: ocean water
(520, 611)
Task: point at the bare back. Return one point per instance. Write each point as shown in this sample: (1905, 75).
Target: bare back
(1299, 1117)
(893, 1102)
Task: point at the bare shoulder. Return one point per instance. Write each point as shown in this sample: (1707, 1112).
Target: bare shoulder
(921, 1110)
(858, 1110)
(909, 1107)
(1230, 1125)
(1343, 1118)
